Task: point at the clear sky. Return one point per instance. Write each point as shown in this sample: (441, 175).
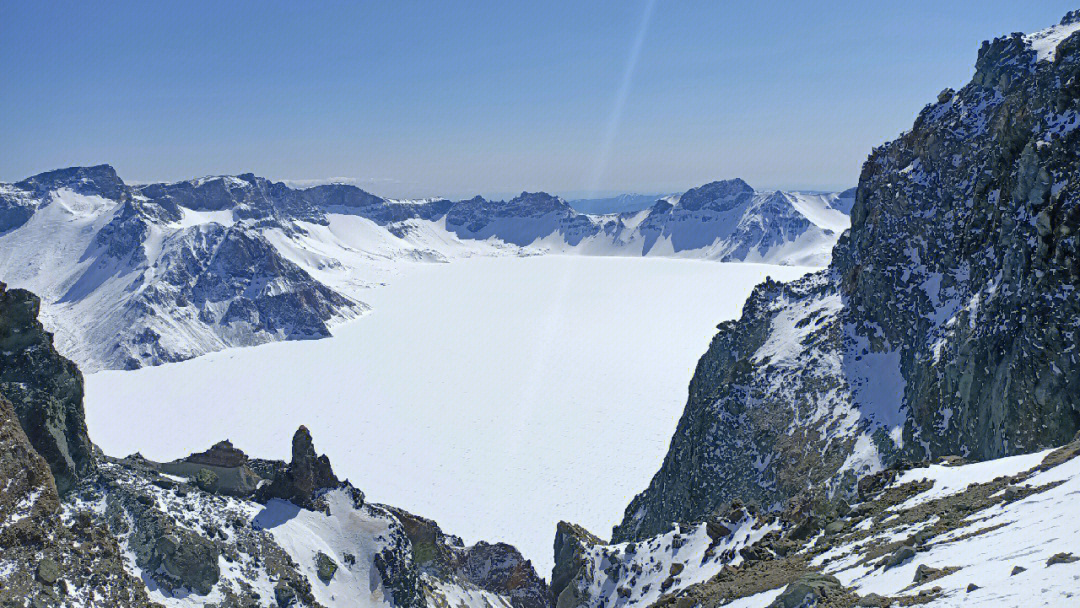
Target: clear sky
(458, 98)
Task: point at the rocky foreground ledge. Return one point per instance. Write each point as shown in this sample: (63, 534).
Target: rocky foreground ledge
(993, 533)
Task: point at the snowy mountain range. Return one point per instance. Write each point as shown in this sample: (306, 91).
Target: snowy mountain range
(147, 274)
(900, 428)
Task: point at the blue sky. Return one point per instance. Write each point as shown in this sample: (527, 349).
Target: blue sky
(459, 98)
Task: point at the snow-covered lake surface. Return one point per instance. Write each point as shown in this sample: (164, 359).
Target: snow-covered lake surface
(494, 395)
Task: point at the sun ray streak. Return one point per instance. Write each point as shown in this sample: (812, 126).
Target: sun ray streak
(615, 118)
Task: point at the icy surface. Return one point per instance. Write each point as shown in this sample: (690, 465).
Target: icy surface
(494, 395)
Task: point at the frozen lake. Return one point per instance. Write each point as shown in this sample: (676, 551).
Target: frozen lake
(493, 395)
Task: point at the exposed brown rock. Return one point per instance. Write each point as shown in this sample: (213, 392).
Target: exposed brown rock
(306, 475)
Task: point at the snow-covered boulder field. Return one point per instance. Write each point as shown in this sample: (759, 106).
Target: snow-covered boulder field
(994, 533)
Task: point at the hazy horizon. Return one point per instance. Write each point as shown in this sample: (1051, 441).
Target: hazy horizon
(416, 100)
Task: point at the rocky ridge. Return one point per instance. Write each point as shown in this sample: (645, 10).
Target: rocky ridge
(135, 275)
(953, 533)
(946, 323)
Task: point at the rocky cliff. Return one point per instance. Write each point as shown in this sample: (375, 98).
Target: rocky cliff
(45, 389)
(947, 323)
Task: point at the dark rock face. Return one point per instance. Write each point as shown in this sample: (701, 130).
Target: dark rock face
(221, 454)
(16, 207)
(38, 547)
(99, 180)
(499, 568)
(946, 323)
(237, 285)
(520, 220)
(175, 557)
(248, 196)
(25, 473)
(306, 475)
(342, 198)
(717, 196)
(571, 542)
(45, 389)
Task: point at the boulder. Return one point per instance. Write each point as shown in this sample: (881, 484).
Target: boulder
(925, 573)
(1062, 558)
(48, 571)
(284, 595)
(717, 531)
(898, 557)
(872, 600)
(808, 589)
(325, 567)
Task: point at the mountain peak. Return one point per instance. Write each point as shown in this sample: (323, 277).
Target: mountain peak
(719, 195)
(94, 180)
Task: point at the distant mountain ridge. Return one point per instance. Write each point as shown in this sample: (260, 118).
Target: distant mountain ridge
(620, 203)
(136, 275)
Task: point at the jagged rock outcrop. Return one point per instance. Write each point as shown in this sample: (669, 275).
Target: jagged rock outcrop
(498, 568)
(223, 469)
(28, 496)
(221, 454)
(47, 561)
(502, 569)
(45, 389)
(306, 476)
(572, 543)
(946, 324)
(917, 535)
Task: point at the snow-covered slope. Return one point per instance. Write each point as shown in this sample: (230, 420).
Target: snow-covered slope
(993, 533)
(142, 275)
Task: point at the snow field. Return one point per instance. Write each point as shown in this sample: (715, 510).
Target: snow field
(493, 395)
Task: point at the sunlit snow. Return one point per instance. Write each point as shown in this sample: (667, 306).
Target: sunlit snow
(495, 395)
